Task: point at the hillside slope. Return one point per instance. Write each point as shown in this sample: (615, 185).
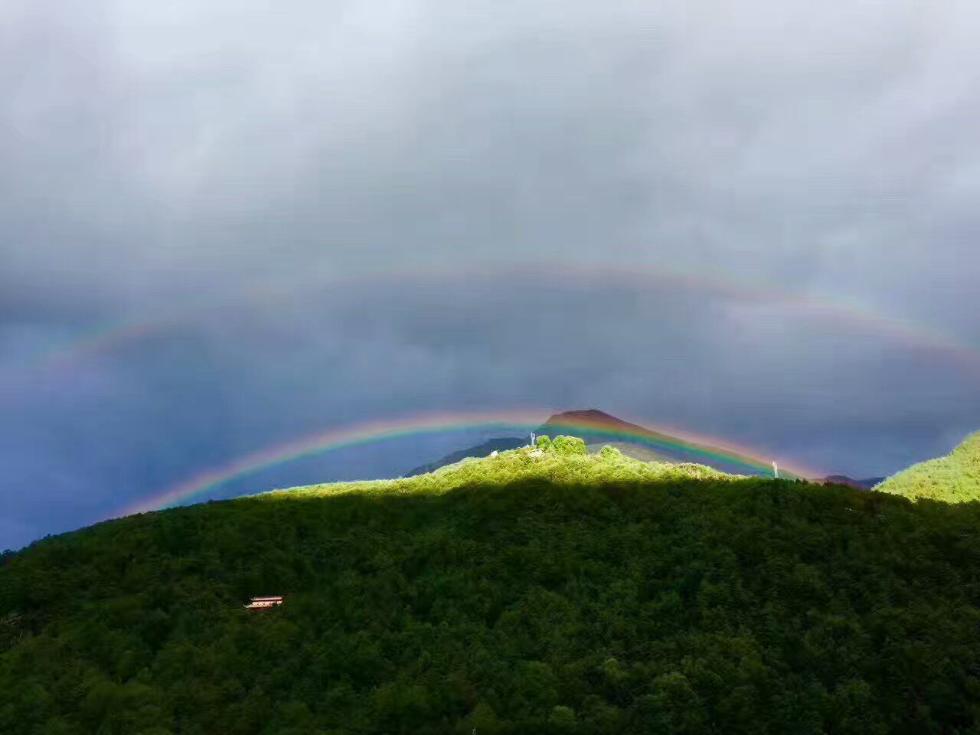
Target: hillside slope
(636, 451)
(502, 444)
(497, 444)
(597, 429)
(952, 479)
(538, 591)
(862, 484)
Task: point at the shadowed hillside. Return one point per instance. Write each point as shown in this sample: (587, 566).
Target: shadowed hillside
(538, 591)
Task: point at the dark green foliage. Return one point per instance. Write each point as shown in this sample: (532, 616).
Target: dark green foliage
(678, 606)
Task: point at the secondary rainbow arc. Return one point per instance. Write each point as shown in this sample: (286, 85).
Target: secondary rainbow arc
(106, 337)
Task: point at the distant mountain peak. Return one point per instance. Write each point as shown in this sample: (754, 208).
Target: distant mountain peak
(559, 423)
(598, 427)
(590, 416)
(865, 484)
(593, 413)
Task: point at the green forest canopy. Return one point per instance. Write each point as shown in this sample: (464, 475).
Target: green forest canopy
(953, 479)
(541, 590)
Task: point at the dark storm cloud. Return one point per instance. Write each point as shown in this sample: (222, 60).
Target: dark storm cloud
(127, 424)
(782, 142)
(163, 161)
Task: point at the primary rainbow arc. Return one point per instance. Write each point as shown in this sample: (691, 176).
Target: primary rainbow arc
(693, 446)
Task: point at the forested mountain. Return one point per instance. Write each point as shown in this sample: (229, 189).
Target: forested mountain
(597, 429)
(865, 484)
(542, 590)
(953, 479)
(484, 449)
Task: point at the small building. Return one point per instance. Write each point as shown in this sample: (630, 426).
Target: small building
(260, 603)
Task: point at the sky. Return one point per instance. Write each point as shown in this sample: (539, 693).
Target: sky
(226, 225)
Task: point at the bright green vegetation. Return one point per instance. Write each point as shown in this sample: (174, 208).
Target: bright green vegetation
(565, 460)
(952, 479)
(526, 593)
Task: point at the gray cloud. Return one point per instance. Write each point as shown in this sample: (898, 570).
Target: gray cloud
(122, 425)
(163, 162)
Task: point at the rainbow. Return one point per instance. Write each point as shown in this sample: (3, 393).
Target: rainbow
(98, 339)
(851, 315)
(693, 446)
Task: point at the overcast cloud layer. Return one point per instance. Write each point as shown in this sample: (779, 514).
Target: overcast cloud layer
(268, 185)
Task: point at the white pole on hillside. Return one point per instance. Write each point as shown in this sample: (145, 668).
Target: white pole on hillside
(775, 469)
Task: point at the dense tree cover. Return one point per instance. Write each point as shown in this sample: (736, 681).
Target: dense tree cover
(565, 459)
(548, 601)
(953, 479)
